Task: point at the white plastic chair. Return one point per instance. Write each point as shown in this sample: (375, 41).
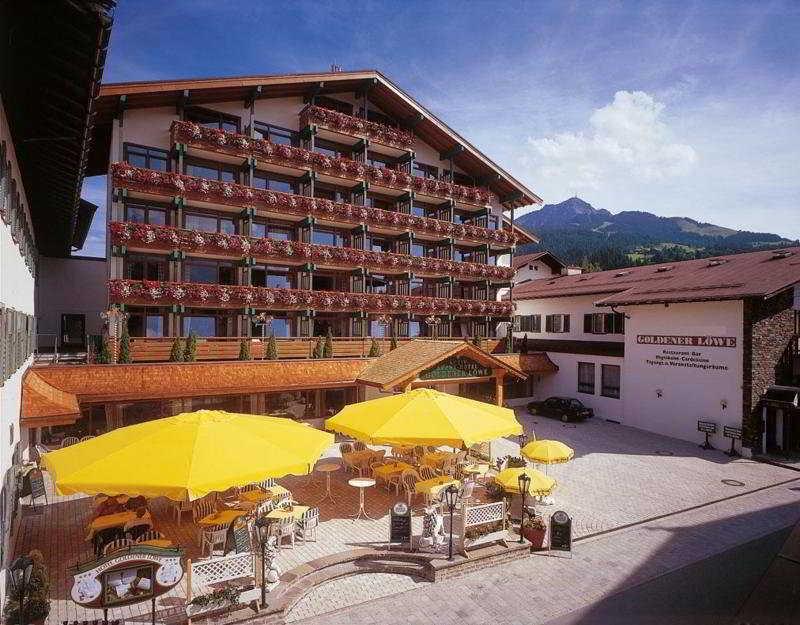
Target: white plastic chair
(285, 528)
(69, 440)
(201, 509)
(307, 526)
(426, 472)
(213, 537)
(409, 480)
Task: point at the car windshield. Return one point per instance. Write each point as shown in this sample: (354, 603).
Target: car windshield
(574, 403)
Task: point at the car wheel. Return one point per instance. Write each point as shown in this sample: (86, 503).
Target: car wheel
(564, 418)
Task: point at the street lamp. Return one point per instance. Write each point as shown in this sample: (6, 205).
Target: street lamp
(263, 320)
(524, 482)
(262, 529)
(450, 498)
(433, 321)
(113, 317)
(21, 570)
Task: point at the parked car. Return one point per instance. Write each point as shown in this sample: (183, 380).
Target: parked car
(564, 408)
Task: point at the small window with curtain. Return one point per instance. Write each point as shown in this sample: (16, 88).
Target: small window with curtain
(610, 383)
(557, 324)
(586, 377)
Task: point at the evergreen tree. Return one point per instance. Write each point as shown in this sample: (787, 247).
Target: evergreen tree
(190, 353)
(393, 343)
(524, 346)
(176, 354)
(374, 349)
(104, 355)
(327, 346)
(319, 346)
(244, 350)
(124, 345)
(508, 346)
(272, 348)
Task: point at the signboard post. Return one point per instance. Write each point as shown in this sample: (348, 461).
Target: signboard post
(707, 427)
(560, 532)
(735, 434)
(400, 524)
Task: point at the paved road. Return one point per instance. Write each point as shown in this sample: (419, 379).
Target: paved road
(540, 589)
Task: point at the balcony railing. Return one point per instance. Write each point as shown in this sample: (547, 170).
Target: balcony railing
(157, 349)
(167, 238)
(242, 146)
(356, 127)
(150, 293)
(171, 185)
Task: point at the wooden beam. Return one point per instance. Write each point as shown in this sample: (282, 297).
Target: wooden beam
(454, 151)
(512, 197)
(312, 92)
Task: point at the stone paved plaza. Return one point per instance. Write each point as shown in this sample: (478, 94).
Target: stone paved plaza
(664, 489)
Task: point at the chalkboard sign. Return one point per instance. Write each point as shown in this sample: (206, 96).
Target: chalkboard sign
(732, 432)
(36, 481)
(709, 427)
(560, 531)
(241, 536)
(400, 523)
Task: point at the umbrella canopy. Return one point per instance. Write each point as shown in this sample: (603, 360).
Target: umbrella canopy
(547, 452)
(424, 417)
(187, 456)
(540, 484)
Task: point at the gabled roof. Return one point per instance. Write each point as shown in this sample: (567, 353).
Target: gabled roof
(404, 363)
(545, 256)
(755, 274)
(381, 91)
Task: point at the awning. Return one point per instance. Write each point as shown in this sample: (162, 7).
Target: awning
(784, 395)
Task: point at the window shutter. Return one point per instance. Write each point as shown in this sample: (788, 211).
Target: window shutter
(565, 327)
(587, 323)
(548, 323)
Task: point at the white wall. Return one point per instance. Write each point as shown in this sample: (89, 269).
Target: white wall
(689, 393)
(535, 270)
(71, 285)
(564, 383)
(576, 307)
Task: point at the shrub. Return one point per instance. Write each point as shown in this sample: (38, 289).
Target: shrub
(244, 350)
(37, 597)
(190, 353)
(176, 354)
(374, 349)
(124, 346)
(104, 353)
(272, 349)
(318, 347)
(327, 346)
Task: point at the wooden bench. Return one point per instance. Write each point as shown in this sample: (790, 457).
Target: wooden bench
(214, 572)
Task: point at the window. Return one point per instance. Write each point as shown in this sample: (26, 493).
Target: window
(556, 323)
(213, 119)
(145, 268)
(211, 171)
(333, 104)
(273, 183)
(610, 375)
(144, 214)
(604, 323)
(425, 171)
(331, 149)
(272, 231)
(380, 245)
(379, 160)
(273, 277)
(531, 323)
(377, 284)
(586, 377)
(148, 158)
(328, 237)
(277, 134)
(200, 326)
(209, 272)
(332, 194)
(413, 328)
(208, 223)
(281, 327)
(146, 323)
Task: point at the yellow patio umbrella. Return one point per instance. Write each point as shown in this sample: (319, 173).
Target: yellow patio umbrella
(547, 452)
(424, 417)
(540, 483)
(187, 456)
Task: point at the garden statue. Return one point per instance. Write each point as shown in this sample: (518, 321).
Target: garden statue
(432, 529)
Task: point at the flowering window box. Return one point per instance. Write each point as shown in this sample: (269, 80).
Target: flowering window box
(356, 127)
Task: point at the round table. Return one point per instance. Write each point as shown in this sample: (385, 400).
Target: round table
(478, 469)
(327, 468)
(361, 483)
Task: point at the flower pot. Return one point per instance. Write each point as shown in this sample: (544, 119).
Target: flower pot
(534, 536)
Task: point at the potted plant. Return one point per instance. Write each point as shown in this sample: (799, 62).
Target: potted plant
(534, 530)
(272, 348)
(37, 595)
(222, 598)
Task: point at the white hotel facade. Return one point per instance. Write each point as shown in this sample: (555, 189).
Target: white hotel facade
(663, 347)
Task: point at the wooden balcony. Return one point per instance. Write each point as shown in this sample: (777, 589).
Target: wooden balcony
(243, 147)
(168, 185)
(166, 238)
(352, 126)
(150, 293)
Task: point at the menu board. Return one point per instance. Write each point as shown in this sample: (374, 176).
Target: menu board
(400, 523)
(560, 531)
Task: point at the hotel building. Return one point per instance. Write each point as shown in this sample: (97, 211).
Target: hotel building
(332, 202)
(663, 347)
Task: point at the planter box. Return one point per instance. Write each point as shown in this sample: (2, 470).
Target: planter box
(535, 537)
(491, 537)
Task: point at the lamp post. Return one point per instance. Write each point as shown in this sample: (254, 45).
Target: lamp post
(385, 321)
(21, 570)
(450, 498)
(262, 528)
(263, 320)
(524, 482)
(433, 321)
(112, 318)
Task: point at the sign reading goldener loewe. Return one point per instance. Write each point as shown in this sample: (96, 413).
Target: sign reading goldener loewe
(686, 341)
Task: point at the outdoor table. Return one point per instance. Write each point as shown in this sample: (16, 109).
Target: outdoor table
(432, 487)
(222, 517)
(391, 469)
(118, 519)
(164, 543)
(255, 496)
(436, 459)
(361, 483)
(295, 513)
(359, 458)
(479, 469)
(328, 467)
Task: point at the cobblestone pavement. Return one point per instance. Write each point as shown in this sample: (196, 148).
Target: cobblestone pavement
(540, 588)
(339, 593)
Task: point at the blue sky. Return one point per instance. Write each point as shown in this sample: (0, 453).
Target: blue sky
(677, 108)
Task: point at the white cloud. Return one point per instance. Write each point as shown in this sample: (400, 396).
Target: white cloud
(626, 140)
